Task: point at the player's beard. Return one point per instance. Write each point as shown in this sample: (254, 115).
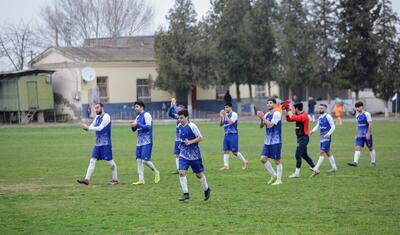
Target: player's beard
(99, 112)
(320, 112)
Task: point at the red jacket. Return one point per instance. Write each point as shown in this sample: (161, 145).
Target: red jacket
(302, 123)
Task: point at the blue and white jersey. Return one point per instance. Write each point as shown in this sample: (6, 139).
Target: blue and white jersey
(173, 113)
(144, 126)
(190, 132)
(326, 125)
(273, 135)
(363, 120)
(231, 128)
(102, 125)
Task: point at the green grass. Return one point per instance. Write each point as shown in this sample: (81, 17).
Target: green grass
(39, 193)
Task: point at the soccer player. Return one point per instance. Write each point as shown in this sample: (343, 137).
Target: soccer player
(190, 155)
(363, 134)
(173, 113)
(143, 124)
(302, 131)
(326, 127)
(102, 149)
(272, 142)
(229, 120)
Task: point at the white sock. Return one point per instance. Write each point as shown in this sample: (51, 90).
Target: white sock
(332, 161)
(140, 169)
(151, 166)
(90, 170)
(184, 186)
(357, 155)
(203, 182)
(177, 163)
(226, 160)
(240, 156)
(319, 163)
(113, 169)
(279, 169)
(372, 154)
(297, 171)
(269, 168)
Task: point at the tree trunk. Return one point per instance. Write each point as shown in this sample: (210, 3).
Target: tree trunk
(238, 92)
(194, 98)
(250, 92)
(238, 99)
(269, 88)
(357, 94)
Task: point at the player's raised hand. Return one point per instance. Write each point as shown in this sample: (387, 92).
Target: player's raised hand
(222, 113)
(173, 101)
(84, 126)
(260, 114)
(132, 123)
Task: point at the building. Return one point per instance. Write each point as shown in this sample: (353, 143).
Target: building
(124, 71)
(24, 94)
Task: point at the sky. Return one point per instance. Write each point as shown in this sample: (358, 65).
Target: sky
(14, 10)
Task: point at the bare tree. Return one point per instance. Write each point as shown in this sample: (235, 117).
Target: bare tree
(18, 42)
(125, 17)
(69, 22)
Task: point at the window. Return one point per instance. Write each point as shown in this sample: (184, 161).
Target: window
(221, 91)
(260, 91)
(102, 85)
(143, 90)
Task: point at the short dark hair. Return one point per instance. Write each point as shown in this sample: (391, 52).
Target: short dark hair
(272, 99)
(183, 112)
(228, 104)
(140, 103)
(359, 104)
(323, 105)
(101, 104)
(299, 106)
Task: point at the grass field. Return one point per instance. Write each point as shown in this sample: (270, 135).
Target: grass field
(39, 193)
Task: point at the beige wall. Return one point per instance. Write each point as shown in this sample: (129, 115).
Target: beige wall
(122, 78)
(207, 94)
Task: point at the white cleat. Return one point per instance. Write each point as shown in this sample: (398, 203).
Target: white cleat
(294, 175)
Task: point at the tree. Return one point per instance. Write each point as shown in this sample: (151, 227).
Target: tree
(178, 51)
(18, 42)
(294, 45)
(357, 44)
(69, 22)
(226, 21)
(260, 43)
(323, 15)
(388, 69)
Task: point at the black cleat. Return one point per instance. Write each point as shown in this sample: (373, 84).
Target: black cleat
(184, 197)
(352, 164)
(83, 181)
(207, 194)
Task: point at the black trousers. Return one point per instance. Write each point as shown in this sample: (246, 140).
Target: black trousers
(301, 151)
